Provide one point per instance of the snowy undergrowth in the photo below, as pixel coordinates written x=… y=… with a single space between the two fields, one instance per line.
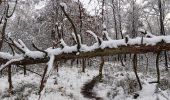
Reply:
x=122 y=85
x=117 y=84
x=64 y=85
x=23 y=86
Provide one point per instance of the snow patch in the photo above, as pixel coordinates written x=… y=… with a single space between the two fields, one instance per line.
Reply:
x=63 y=5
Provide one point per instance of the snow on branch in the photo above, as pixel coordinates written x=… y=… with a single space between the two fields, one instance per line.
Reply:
x=4 y=55
x=50 y=64
x=21 y=45
x=63 y=5
x=79 y=37
x=63 y=43
x=106 y=34
x=106 y=48
x=95 y=36
x=149 y=35
x=74 y=36
x=46 y=53
x=10 y=62
x=28 y=53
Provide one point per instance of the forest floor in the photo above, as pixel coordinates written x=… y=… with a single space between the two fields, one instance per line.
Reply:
x=117 y=84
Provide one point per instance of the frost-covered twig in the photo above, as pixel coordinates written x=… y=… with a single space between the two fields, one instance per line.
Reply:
x=62 y=43
x=21 y=45
x=95 y=36
x=13 y=44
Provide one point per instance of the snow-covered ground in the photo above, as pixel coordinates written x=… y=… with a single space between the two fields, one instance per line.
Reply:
x=117 y=84
x=64 y=85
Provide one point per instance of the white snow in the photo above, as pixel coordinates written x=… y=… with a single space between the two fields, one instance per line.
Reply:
x=69 y=49
x=10 y=61
x=50 y=64
x=5 y=55
x=67 y=83
x=74 y=36
x=106 y=34
x=40 y=5
x=63 y=43
x=22 y=47
x=34 y=54
x=93 y=34
x=79 y=37
x=67 y=87
x=150 y=35
x=85 y=48
x=112 y=43
x=56 y=51
x=63 y=5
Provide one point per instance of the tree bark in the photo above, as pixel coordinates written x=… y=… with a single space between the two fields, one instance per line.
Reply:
x=115 y=20
x=101 y=67
x=10 y=80
x=43 y=79
x=135 y=70
x=83 y=65
x=137 y=49
x=25 y=70
x=157 y=67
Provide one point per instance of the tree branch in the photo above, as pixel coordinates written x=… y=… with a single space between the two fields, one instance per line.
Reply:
x=74 y=28
x=46 y=53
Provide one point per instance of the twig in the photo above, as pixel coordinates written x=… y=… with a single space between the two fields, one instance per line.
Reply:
x=46 y=53
x=31 y=71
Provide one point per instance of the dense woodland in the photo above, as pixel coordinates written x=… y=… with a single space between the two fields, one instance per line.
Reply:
x=84 y=49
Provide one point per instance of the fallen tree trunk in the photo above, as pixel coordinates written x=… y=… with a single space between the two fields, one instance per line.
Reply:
x=114 y=51
x=96 y=53
x=137 y=49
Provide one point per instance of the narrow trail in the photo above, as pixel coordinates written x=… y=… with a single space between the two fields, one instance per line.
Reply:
x=87 y=89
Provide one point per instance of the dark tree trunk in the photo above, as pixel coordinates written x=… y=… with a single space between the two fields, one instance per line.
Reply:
x=43 y=79
x=3 y=33
x=10 y=80
x=120 y=19
x=157 y=67
x=83 y=64
x=115 y=20
x=101 y=67
x=25 y=70
x=135 y=70
x=162 y=28
x=134 y=34
x=166 y=61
